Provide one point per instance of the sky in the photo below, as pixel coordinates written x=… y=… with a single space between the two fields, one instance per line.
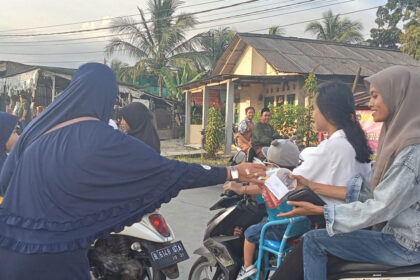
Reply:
x=23 y=17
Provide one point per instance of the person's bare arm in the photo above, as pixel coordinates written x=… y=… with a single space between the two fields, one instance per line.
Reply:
x=240 y=189
x=338 y=192
x=243 y=139
x=25 y=112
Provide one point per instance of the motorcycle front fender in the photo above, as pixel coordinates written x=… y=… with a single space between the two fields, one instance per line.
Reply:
x=203 y=251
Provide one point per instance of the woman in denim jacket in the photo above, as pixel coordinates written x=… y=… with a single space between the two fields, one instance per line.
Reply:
x=393 y=208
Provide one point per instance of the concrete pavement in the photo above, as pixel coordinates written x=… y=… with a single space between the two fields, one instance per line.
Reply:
x=188 y=215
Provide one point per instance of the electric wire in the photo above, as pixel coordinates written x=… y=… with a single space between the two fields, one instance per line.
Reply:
x=193 y=29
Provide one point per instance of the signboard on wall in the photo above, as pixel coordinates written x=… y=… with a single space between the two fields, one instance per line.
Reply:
x=371 y=128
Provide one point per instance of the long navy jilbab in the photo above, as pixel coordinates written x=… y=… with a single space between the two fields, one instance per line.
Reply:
x=7 y=125
x=67 y=187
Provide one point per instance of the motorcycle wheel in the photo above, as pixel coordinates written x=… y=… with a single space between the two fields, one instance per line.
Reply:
x=202 y=270
x=153 y=275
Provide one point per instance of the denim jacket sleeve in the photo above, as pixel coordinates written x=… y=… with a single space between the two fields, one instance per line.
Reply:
x=395 y=193
x=358 y=188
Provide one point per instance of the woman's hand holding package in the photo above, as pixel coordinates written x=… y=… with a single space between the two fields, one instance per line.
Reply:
x=301 y=181
x=303 y=208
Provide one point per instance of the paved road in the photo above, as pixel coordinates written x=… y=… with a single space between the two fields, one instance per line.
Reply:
x=188 y=215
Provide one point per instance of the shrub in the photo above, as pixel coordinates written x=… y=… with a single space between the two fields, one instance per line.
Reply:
x=214 y=132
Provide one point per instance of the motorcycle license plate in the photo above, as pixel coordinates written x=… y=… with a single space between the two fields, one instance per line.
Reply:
x=169 y=255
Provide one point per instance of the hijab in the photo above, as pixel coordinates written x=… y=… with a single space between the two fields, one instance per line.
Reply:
x=81 y=182
x=7 y=124
x=399 y=87
x=92 y=92
x=139 y=119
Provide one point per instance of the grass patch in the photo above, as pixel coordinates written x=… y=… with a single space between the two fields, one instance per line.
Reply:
x=221 y=161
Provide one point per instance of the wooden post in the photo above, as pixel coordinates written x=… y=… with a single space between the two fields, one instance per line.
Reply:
x=230 y=92
x=356 y=79
x=187 y=116
x=206 y=97
x=53 y=89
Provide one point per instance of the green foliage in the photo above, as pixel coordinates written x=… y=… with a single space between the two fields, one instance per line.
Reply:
x=306 y=132
x=212 y=44
x=214 y=132
x=307 y=136
x=155 y=42
x=285 y=118
x=389 y=18
x=173 y=79
x=333 y=28
x=196 y=114
x=202 y=160
x=410 y=41
x=311 y=86
x=276 y=30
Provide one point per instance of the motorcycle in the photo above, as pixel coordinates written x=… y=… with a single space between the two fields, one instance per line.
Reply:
x=222 y=253
x=345 y=270
x=144 y=250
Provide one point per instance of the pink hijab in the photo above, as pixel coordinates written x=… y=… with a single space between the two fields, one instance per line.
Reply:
x=400 y=90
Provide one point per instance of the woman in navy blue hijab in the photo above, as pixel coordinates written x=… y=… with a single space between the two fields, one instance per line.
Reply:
x=7 y=135
x=71 y=178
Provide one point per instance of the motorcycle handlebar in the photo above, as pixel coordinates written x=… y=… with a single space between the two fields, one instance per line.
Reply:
x=229 y=193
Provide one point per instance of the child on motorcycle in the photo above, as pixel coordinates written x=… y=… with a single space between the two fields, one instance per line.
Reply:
x=333 y=162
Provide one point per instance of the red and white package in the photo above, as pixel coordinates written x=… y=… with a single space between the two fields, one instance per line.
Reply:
x=277 y=186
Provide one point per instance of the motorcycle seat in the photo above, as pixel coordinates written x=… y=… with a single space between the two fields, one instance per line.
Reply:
x=353 y=267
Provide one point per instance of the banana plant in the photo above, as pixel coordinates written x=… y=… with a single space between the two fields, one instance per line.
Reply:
x=173 y=79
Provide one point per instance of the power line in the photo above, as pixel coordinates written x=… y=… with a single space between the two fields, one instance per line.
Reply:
x=286 y=13
x=111 y=35
x=296 y=23
x=67 y=61
x=122 y=25
x=306 y=21
x=96 y=20
x=238 y=15
x=228 y=23
x=194 y=29
x=64 y=53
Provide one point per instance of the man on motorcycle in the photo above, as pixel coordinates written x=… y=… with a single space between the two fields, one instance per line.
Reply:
x=263 y=133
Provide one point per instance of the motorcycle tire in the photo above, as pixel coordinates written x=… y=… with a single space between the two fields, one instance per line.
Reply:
x=200 y=265
x=155 y=274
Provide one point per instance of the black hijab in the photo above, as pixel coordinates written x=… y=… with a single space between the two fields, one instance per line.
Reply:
x=139 y=119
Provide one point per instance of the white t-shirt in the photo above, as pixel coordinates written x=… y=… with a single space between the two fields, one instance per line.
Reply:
x=332 y=162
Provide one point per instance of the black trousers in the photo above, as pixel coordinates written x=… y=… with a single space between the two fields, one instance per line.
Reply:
x=292 y=266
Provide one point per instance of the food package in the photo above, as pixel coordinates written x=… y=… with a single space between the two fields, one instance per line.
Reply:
x=277 y=186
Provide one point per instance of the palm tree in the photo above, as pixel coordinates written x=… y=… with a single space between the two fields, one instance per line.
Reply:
x=212 y=44
x=155 y=42
x=276 y=30
x=333 y=28
x=122 y=70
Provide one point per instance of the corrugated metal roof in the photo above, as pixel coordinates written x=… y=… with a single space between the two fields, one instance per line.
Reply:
x=302 y=55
